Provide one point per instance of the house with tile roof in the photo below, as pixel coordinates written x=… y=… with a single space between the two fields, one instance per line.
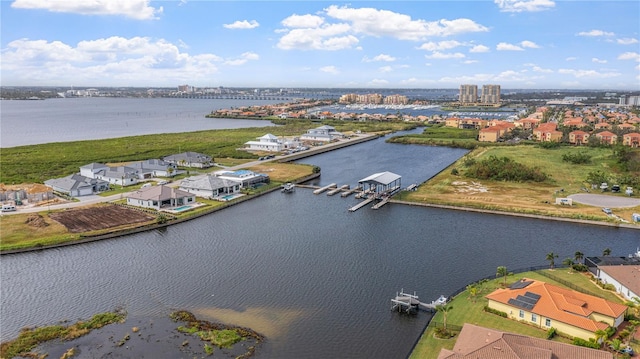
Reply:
x=475 y=342
x=210 y=185
x=626 y=279
x=578 y=137
x=160 y=197
x=607 y=137
x=548 y=306
x=631 y=139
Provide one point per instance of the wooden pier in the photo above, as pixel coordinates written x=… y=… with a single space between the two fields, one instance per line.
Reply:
x=361 y=204
x=339 y=189
x=381 y=203
x=409 y=303
x=322 y=189
x=349 y=192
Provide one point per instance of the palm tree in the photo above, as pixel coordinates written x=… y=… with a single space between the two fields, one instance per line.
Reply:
x=501 y=271
x=601 y=336
x=634 y=305
x=569 y=263
x=578 y=256
x=616 y=345
x=606 y=252
x=551 y=257
x=444 y=309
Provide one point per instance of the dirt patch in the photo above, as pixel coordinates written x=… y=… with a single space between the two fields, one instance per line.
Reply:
x=36 y=220
x=474 y=187
x=99 y=217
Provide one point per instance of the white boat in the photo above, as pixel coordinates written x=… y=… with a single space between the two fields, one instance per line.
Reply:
x=288 y=188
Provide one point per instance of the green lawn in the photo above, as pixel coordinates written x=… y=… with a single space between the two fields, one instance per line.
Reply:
x=468 y=310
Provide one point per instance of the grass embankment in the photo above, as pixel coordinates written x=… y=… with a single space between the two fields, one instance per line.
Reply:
x=29 y=338
x=469 y=310
x=454 y=188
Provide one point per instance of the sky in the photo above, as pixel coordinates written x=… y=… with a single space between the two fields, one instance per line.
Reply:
x=518 y=44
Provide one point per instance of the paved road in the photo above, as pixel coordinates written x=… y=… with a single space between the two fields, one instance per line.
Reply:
x=604 y=200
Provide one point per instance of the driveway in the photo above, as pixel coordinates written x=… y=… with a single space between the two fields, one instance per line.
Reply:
x=603 y=200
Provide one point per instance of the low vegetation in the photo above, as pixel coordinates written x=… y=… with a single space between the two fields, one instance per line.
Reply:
x=29 y=338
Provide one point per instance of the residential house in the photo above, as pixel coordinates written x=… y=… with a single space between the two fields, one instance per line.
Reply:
x=578 y=137
x=268 y=142
x=246 y=178
x=322 y=134
x=190 y=159
x=91 y=169
x=77 y=185
x=478 y=342
x=546 y=132
x=155 y=168
x=493 y=133
x=607 y=137
x=626 y=279
x=548 y=306
x=160 y=197
x=119 y=175
x=527 y=123
x=602 y=126
x=631 y=139
x=210 y=186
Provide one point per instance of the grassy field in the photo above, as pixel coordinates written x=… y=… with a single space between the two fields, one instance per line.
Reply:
x=448 y=188
x=466 y=310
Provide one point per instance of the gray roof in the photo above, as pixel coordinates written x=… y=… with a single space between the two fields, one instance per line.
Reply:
x=193 y=157
x=71 y=182
x=159 y=193
x=384 y=178
x=95 y=165
x=207 y=183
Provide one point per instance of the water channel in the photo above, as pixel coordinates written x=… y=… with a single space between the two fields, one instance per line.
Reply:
x=315 y=279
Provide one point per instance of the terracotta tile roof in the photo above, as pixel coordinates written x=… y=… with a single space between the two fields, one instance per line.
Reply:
x=564 y=305
x=476 y=342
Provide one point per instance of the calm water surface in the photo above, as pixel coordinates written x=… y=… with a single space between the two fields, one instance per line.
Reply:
x=311 y=276
x=74 y=119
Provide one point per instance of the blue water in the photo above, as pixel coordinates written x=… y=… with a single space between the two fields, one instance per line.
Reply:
x=182 y=208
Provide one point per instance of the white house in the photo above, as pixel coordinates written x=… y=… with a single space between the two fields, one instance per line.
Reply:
x=91 y=169
x=626 y=279
x=323 y=134
x=190 y=159
x=77 y=185
x=210 y=186
x=155 y=168
x=245 y=177
x=120 y=175
x=159 y=197
x=267 y=142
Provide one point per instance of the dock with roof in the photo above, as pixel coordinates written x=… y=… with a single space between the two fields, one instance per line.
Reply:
x=378 y=187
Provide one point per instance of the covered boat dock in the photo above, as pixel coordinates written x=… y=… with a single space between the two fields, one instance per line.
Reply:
x=381 y=185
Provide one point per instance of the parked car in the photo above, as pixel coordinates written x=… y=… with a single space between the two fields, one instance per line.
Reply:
x=162 y=182
x=8 y=208
x=607 y=211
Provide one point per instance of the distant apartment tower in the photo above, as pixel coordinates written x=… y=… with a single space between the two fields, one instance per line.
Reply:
x=348 y=98
x=631 y=100
x=372 y=98
x=395 y=100
x=184 y=88
x=490 y=94
x=468 y=94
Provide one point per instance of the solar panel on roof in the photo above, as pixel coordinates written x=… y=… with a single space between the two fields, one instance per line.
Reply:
x=520 y=304
x=527 y=300
x=532 y=295
x=520 y=284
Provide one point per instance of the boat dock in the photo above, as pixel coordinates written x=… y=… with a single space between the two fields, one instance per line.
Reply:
x=405 y=302
x=349 y=192
x=323 y=189
x=361 y=204
x=339 y=189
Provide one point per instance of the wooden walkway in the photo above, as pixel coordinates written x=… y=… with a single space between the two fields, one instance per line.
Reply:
x=361 y=204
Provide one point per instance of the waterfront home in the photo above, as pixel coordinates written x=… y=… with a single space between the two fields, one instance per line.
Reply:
x=478 y=342
x=190 y=159
x=626 y=279
x=269 y=143
x=322 y=134
x=246 y=178
x=548 y=306
x=77 y=185
x=160 y=197
x=155 y=168
x=210 y=186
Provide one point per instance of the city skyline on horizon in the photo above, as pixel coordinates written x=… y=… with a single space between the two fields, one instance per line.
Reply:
x=519 y=44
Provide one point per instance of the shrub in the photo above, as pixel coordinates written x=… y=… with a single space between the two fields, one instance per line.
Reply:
x=454 y=171
x=505 y=169
x=576 y=158
x=496 y=312
x=579 y=267
x=586 y=343
x=551 y=333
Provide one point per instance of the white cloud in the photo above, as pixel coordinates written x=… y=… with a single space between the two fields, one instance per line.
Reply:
x=469 y=62
x=378 y=82
x=599 y=61
x=588 y=73
x=381 y=58
x=571 y=58
x=503 y=46
x=479 y=49
x=529 y=44
x=442 y=45
x=374 y=22
x=330 y=70
x=302 y=21
x=524 y=5
x=595 y=33
x=244 y=24
x=327 y=37
x=384 y=69
x=135 y=9
x=536 y=68
x=244 y=58
x=627 y=41
x=111 y=59
x=443 y=56
x=630 y=56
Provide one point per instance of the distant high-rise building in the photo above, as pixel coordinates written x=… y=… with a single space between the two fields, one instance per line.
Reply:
x=490 y=94
x=468 y=94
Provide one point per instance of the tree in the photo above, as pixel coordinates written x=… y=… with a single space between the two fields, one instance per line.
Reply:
x=569 y=263
x=634 y=305
x=601 y=336
x=444 y=309
x=616 y=345
x=579 y=256
x=501 y=271
x=551 y=257
x=473 y=291
x=606 y=252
